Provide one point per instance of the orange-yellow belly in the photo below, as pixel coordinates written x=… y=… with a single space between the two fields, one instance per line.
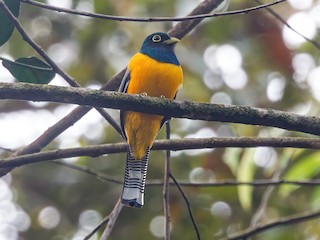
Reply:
x=155 y=79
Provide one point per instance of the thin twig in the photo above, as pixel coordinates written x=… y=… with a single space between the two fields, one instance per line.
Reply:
x=166 y=194
x=264 y=201
x=112 y=220
x=97 y=228
x=110 y=119
x=98 y=175
x=149 y=19
x=188 y=206
x=172 y=144
x=220 y=183
x=6 y=149
x=277 y=16
x=279 y=223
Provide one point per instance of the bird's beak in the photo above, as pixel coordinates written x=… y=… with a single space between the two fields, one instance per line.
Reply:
x=171 y=41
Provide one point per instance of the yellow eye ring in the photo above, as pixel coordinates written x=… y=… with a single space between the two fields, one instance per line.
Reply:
x=156 y=38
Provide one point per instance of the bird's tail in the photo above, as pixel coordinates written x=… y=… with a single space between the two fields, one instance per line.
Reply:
x=134 y=181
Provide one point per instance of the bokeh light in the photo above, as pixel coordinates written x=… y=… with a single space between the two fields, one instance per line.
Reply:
x=41 y=26
x=236 y=80
x=228 y=58
x=49 y=217
x=221 y=209
x=200 y=175
x=212 y=80
x=61 y=4
x=156 y=226
x=304 y=24
x=301 y=5
x=221 y=98
x=276 y=87
x=302 y=64
x=85 y=5
x=64 y=53
x=202 y=133
x=315 y=14
x=265 y=157
x=89 y=219
x=20 y=121
x=13 y=218
x=314 y=83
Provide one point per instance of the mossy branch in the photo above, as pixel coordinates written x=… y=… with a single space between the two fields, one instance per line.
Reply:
x=177 y=109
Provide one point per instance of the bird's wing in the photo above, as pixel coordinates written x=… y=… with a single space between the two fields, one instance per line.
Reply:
x=123 y=89
x=125 y=82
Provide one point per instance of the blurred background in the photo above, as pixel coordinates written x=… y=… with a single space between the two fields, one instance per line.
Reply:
x=249 y=59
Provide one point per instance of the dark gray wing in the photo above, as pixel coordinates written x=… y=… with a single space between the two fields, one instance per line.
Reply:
x=123 y=89
x=124 y=82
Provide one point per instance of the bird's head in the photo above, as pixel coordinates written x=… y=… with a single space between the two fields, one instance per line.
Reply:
x=159 y=46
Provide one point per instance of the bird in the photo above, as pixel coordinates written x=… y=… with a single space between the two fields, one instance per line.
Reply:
x=153 y=71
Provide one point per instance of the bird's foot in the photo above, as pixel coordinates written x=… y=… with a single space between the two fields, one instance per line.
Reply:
x=144 y=94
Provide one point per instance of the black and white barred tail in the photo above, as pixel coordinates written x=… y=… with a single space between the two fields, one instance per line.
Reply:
x=134 y=181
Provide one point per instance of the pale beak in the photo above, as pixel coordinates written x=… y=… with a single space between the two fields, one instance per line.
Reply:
x=171 y=41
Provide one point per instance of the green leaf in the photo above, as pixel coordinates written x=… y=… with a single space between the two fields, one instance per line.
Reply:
x=31 y=70
x=6 y=25
x=245 y=173
x=307 y=167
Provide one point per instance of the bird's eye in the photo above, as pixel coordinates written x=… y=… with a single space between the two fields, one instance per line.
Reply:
x=156 y=38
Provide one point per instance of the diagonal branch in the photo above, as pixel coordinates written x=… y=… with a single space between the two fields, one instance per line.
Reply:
x=188 y=206
x=112 y=220
x=178 y=109
x=52 y=64
x=279 y=223
x=277 y=16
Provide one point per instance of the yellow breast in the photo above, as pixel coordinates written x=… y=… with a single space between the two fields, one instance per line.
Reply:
x=155 y=79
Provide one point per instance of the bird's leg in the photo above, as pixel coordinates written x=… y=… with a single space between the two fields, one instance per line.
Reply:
x=162 y=96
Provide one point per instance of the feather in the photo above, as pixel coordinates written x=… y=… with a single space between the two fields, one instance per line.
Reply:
x=134 y=181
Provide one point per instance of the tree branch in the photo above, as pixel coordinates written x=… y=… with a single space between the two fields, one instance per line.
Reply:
x=150 y=19
x=219 y=183
x=112 y=220
x=166 y=193
x=195 y=226
x=277 y=16
x=173 y=145
x=279 y=223
x=152 y=105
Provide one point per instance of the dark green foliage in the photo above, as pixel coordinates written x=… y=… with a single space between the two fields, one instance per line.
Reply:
x=31 y=70
x=6 y=26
